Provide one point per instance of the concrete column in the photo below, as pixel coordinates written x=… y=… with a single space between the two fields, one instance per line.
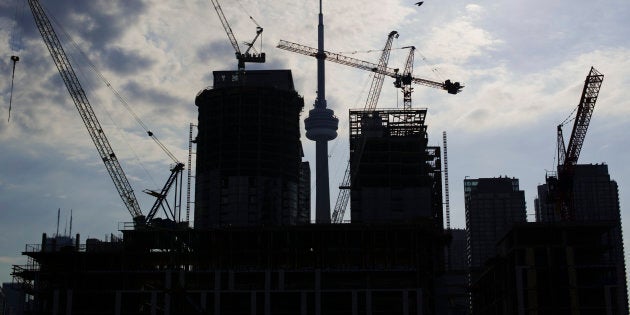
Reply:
x=318 y=292
x=167 y=296
x=203 y=301
x=217 y=292
x=281 y=280
x=69 y=302
x=405 y=302
x=153 y=303
x=419 y=310
x=303 y=304
x=368 y=302
x=267 y=292
x=118 y=303
x=252 y=302
x=56 y=302
x=231 y=280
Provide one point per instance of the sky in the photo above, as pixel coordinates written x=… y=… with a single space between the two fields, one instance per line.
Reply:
x=523 y=64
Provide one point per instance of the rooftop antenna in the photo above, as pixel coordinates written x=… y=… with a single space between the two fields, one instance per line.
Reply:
x=58 y=214
x=70 y=233
x=321 y=127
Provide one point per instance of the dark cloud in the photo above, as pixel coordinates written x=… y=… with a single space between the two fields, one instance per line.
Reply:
x=158 y=100
x=126 y=62
x=217 y=52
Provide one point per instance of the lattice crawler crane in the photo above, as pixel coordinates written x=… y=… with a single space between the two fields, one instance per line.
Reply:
x=560 y=185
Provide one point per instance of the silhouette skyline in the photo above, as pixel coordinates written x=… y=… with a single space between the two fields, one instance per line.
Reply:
x=522 y=79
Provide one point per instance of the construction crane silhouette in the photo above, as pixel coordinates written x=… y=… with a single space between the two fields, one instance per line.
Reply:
x=402 y=81
x=450 y=87
x=94 y=128
x=373 y=95
x=560 y=185
x=246 y=56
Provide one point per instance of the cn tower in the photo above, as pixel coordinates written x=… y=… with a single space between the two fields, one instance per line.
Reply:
x=321 y=127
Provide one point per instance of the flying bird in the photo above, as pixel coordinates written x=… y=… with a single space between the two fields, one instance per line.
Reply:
x=419 y=3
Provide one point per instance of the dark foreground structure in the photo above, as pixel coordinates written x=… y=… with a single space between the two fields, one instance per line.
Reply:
x=554 y=268
x=308 y=269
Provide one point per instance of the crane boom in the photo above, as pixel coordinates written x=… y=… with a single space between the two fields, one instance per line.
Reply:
x=450 y=87
x=372 y=100
x=85 y=110
x=226 y=26
x=592 y=85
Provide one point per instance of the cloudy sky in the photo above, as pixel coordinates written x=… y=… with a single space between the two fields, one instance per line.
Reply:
x=523 y=64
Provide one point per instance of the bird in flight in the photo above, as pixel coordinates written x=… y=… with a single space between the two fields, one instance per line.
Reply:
x=419 y=3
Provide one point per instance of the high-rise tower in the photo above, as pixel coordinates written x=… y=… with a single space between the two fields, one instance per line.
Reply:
x=249 y=151
x=493 y=206
x=321 y=127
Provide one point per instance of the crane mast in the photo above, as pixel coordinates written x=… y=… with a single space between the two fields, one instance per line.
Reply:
x=450 y=87
x=372 y=100
x=404 y=81
x=561 y=186
x=85 y=111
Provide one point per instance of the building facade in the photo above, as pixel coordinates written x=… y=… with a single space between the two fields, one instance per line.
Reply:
x=395 y=176
x=493 y=206
x=249 y=154
x=595 y=199
x=331 y=269
x=553 y=268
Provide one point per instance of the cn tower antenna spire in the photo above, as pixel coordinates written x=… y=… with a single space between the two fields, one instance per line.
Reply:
x=321 y=127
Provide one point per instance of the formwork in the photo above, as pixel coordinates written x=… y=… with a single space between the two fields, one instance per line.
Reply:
x=395 y=175
x=248 y=150
x=310 y=269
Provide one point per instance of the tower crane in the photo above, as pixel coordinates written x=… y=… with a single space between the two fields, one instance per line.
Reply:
x=561 y=185
x=402 y=81
x=373 y=95
x=241 y=57
x=92 y=124
x=450 y=87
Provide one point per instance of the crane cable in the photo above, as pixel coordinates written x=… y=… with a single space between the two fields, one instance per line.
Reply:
x=253 y=20
x=118 y=95
x=13 y=42
x=570 y=118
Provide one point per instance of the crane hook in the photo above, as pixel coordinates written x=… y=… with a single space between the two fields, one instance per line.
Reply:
x=15 y=59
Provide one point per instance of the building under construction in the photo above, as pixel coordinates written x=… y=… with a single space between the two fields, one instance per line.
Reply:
x=396 y=176
x=249 y=152
x=252 y=251
x=306 y=269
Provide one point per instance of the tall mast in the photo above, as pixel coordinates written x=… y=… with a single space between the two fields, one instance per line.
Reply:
x=321 y=127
